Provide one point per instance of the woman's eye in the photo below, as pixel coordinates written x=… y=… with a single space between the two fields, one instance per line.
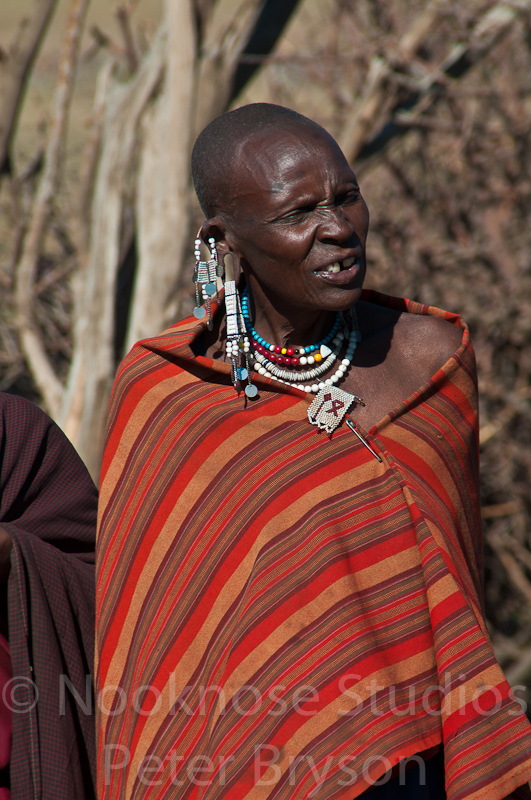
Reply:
x=349 y=197
x=298 y=214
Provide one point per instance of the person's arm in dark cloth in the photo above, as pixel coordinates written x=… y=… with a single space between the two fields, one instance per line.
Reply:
x=47 y=520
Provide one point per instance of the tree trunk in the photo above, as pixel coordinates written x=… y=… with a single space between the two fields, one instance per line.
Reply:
x=195 y=91
x=94 y=361
x=31 y=341
x=163 y=183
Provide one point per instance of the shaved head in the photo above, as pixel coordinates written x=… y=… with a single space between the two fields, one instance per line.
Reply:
x=218 y=149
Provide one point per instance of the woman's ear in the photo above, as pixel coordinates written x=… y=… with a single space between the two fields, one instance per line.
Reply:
x=216 y=229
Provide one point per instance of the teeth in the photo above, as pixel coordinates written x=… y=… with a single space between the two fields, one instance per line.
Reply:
x=337 y=266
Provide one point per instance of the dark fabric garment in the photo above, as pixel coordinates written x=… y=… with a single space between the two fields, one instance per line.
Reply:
x=522 y=793
x=48 y=505
x=423 y=780
x=6 y=674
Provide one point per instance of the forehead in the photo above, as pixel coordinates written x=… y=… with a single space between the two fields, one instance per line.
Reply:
x=278 y=162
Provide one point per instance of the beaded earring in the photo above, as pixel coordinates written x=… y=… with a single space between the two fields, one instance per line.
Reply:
x=238 y=347
x=206 y=274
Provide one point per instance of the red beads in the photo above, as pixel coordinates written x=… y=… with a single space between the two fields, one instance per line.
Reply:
x=278 y=349
x=290 y=351
x=295 y=362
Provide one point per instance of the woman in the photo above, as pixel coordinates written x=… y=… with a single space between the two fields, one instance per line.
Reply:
x=48 y=506
x=289 y=576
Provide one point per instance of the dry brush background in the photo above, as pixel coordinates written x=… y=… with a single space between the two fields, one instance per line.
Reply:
x=430 y=100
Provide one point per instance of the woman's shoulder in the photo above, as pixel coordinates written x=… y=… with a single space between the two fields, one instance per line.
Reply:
x=420 y=343
x=414 y=331
x=429 y=331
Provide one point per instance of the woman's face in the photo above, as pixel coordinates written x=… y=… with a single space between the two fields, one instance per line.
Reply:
x=295 y=216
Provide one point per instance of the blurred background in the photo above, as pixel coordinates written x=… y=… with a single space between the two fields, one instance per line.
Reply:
x=100 y=103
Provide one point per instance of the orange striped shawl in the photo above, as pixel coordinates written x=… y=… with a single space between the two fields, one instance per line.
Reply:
x=279 y=614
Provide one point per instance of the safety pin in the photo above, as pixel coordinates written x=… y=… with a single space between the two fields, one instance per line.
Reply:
x=353 y=428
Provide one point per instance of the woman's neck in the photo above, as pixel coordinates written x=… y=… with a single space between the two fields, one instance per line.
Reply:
x=296 y=328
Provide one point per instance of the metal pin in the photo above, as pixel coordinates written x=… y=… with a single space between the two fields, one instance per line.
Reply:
x=362 y=440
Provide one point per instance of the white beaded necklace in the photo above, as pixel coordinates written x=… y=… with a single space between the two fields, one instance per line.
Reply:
x=263 y=366
x=303 y=375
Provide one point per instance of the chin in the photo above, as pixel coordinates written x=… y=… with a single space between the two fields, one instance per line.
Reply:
x=340 y=300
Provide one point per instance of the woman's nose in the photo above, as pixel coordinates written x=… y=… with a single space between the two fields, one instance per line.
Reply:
x=335 y=224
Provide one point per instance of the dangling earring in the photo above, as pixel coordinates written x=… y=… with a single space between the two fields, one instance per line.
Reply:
x=206 y=274
x=238 y=347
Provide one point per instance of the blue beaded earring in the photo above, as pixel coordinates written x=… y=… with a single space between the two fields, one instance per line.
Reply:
x=237 y=346
x=206 y=274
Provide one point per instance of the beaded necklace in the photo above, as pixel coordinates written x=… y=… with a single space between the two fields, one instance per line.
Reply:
x=270 y=359
x=311 y=354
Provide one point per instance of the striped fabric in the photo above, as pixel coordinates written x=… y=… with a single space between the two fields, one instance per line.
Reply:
x=280 y=615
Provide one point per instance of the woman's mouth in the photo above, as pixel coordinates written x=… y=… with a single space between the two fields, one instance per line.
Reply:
x=340 y=271
x=337 y=266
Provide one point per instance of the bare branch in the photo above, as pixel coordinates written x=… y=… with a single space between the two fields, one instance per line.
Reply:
x=220 y=57
x=31 y=341
x=523 y=555
x=14 y=72
x=520 y=671
x=34 y=166
x=123 y=16
x=515 y=405
x=267 y=30
x=501 y=510
x=489 y=29
x=514 y=571
x=356 y=129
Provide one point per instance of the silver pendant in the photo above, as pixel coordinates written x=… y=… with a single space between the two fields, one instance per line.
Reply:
x=329 y=407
